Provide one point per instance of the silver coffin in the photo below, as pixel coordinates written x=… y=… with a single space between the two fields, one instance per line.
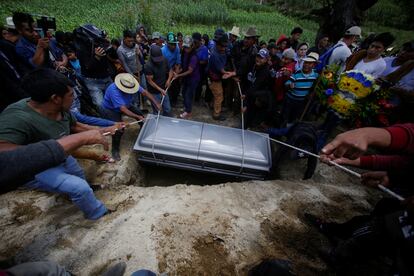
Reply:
x=203 y=147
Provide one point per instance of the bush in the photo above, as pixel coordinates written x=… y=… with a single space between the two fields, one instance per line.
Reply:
x=246 y=5
x=200 y=12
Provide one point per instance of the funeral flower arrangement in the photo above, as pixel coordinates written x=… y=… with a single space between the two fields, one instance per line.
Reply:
x=353 y=95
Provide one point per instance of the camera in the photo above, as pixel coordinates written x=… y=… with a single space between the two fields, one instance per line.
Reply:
x=45 y=24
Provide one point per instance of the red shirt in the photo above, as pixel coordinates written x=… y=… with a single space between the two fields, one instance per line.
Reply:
x=279 y=85
x=402 y=141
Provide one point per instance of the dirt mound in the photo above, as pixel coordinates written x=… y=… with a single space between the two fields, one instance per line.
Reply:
x=222 y=229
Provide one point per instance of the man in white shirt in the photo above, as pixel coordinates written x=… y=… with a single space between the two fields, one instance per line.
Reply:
x=341 y=50
x=373 y=63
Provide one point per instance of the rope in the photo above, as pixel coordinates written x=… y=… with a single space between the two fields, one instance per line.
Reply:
x=158 y=119
x=354 y=173
x=242 y=127
x=129 y=124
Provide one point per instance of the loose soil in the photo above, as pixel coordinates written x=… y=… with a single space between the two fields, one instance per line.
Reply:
x=171 y=225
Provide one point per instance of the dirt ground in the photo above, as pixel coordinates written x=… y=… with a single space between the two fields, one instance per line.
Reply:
x=183 y=229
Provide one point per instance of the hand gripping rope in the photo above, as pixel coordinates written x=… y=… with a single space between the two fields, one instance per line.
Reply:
x=128 y=124
x=381 y=187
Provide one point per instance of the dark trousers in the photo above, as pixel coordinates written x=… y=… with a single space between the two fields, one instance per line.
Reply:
x=189 y=88
x=174 y=91
x=292 y=109
x=387 y=231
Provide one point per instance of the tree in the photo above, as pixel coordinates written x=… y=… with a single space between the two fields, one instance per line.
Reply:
x=338 y=15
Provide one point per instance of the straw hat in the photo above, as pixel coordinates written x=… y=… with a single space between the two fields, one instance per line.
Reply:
x=251 y=32
x=312 y=57
x=126 y=83
x=235 y=31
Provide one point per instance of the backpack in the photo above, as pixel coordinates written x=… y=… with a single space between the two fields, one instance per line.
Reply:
x=324 y=59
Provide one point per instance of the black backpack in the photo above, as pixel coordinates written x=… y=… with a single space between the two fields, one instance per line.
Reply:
x=302 y=135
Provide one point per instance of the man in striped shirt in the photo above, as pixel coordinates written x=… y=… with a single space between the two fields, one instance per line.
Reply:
x=299 y=86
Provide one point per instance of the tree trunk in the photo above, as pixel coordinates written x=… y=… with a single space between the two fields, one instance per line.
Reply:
x=337 y=17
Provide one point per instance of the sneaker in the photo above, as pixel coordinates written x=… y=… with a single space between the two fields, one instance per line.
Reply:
x=219 y=118
x=185 y=115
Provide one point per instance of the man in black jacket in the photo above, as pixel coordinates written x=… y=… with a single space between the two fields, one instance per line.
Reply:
x=244 y=54
x=258 y=98
x=95 y=67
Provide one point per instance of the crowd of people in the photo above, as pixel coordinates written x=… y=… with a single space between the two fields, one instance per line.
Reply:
x=59 y=95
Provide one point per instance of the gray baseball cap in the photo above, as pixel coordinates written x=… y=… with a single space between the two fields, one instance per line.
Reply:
x=289 y=53
x=156 y=35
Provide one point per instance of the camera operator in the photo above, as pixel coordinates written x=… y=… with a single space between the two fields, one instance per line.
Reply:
x=95 y=68
x=34 y=49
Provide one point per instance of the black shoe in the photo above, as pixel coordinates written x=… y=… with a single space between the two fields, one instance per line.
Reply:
x=272 y=267
x=219 y=118
x=314 y=221
x=116 y=155
x=116 y=270
x=323 y=227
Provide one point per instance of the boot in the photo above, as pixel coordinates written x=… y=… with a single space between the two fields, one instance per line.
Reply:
x=116 y=142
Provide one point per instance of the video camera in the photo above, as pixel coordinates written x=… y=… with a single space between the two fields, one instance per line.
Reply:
x=45 y=24
x=88 y=37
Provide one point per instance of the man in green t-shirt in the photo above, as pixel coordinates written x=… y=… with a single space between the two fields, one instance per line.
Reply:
x=45 y=115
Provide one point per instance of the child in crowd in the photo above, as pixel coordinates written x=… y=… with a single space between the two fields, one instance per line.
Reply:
x=299 y=85
x=73 y=62
x=287 y=67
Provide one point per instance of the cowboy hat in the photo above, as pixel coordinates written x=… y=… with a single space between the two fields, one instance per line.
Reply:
x=312 y=57
x=235 y=31
x=251 y=32
x=126 y=83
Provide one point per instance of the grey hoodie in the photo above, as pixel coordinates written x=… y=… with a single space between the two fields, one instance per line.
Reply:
x=129 y=58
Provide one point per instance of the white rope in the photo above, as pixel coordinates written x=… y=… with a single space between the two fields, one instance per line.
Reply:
x=128 y=124
x=242 y=125
x=354 y=173
x=158 y=119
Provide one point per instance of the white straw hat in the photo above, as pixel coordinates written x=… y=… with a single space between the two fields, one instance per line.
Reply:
x=126 y=83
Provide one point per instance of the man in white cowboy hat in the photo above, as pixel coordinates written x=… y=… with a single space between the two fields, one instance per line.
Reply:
x=300 y=85
x=244 y=55
x=118 y=101
x=234 y=35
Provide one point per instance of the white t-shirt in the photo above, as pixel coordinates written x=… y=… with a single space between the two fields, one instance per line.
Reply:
x=339 y=55
x=388 y=66
x=406 y=82
x=375 y=67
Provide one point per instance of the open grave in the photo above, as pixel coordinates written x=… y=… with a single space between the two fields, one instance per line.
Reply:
x=181 y=222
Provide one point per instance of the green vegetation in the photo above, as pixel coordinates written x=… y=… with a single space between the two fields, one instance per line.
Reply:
x=186 y=16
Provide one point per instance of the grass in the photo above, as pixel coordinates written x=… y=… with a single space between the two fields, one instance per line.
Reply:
x=175 y=15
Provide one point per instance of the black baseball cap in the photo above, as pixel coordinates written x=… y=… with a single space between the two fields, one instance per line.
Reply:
x=156 y=53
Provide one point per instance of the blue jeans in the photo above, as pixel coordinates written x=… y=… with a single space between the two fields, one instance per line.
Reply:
x=68 y=178
x=143 y=272
x=188 y=93
x=96 y=88
x=166 y=106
